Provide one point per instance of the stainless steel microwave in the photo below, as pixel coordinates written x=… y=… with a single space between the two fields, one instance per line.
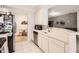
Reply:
x=38 y=27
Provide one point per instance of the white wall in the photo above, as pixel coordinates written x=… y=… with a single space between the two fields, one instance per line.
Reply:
x=30 y=25
x=18 y=19
x=78 y=21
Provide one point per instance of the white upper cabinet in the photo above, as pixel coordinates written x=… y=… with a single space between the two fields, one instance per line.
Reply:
x=41 y=16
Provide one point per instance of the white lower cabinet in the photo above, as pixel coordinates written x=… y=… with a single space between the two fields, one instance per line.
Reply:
x=51 y=45
x=39 y=41
x=66 y=48
x=54 y=47
x=45 y=44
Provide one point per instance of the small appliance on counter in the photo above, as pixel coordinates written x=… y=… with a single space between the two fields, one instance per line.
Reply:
x=38 y=27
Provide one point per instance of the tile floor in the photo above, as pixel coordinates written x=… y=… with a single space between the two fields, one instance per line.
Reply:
x=26 y=47
x=20 y=38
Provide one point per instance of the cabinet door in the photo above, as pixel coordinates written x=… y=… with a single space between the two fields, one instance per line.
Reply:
x=66 y=48
x=39 y=41
x=41 y=16
x=44 y=44
x=54 y=47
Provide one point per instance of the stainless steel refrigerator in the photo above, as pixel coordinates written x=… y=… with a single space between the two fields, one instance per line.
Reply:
x=9 y=21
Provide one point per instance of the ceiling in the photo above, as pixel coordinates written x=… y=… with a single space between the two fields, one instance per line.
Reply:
x=63 y=9
x=24 y=9
x=21 y=9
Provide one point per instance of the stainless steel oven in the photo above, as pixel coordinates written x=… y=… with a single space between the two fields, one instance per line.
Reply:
x=35 y=37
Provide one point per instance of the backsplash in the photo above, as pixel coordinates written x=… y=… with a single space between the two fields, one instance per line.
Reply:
x=65 y=21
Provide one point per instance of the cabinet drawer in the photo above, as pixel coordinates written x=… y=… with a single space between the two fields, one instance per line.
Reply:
x=55 y=46
x=43 y=36
x=57 y=42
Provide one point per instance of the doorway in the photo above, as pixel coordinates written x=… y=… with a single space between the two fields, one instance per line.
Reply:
x=22 y=28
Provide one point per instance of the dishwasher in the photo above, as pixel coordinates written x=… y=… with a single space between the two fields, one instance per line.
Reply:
x=35 y=37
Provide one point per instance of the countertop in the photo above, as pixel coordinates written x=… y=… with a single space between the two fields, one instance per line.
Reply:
x=57 y=33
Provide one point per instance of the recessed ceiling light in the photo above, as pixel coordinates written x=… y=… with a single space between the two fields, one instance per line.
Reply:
x=54 y=13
